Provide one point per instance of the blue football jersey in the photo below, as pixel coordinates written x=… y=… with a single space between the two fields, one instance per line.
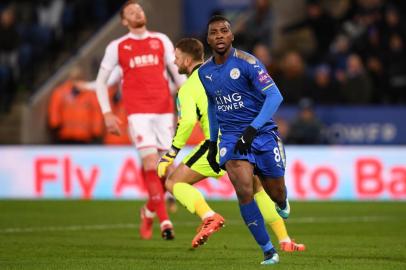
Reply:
x=237 y=89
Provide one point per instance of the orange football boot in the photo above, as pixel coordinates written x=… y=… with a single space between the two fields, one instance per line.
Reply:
x=291 y=246
x=209 y=226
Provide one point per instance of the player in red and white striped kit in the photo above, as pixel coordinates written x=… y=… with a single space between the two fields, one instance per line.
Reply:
x=144 y=58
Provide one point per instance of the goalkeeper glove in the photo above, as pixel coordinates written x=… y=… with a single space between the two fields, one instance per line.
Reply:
x=212 y=157
x=166 y=160
x=243 y=145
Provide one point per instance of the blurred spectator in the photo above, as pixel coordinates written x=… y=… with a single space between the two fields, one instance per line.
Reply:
x=363 y=15
x=74 y=113
x=306 y=128
x=9 y=39
x=254 y=26
x=324 y=89
x=261 y=51
x=9 y=43
x=49 y=13
x=392 y=25
x=339 y=52
x=373 y=54
x=292 y=79
x=283 y=127
x=322 y=24
x=356 y=86
x=395 y=60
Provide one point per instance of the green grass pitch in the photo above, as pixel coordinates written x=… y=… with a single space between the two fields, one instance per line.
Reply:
x=103 y=235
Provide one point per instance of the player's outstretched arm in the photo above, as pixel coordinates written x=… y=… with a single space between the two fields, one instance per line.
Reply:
x=214 y=131
x=213 y=123
x=273 y=99
x=111 y=121
x=102 y=90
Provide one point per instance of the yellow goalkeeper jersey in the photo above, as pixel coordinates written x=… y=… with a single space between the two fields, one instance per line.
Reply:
x=192 y=107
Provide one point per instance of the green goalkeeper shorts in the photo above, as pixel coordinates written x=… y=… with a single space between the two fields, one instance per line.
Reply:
x=197 y=161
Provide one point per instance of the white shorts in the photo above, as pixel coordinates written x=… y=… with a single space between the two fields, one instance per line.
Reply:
x=151 y=130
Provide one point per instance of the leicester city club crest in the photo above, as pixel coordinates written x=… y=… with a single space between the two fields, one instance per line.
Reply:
x=235 y=73
x=223 y=151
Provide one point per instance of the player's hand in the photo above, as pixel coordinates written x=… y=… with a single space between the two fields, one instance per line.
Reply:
x=212 y=157
x=243 y=145
x=166 y=160
x=112 y=123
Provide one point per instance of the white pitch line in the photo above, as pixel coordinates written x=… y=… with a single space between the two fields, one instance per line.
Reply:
x=97 y=227
x=342 y=219
x=69 y=228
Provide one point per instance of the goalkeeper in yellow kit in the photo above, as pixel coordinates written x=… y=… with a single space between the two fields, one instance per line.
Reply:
x=192 y=106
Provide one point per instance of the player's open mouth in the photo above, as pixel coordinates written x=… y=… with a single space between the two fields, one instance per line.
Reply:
x=220 y=45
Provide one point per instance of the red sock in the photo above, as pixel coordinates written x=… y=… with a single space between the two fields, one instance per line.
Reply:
x=150 y=205
x=156 y=198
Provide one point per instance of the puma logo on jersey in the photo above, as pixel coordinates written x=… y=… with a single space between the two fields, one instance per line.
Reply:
x=254 y=223
x=127 y=47
x=209 y=77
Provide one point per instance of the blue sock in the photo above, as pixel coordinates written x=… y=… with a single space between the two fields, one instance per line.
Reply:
x=255 y=223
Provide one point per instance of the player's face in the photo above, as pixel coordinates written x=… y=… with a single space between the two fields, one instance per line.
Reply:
x=181 y=61
x=220 y=37
x=134 y=16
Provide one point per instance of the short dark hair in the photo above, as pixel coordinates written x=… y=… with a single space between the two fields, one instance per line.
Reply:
x=217 y=18
x=126 y=4
x=191 y=46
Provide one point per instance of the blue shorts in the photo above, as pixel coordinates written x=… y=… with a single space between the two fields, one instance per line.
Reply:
x=267 y=155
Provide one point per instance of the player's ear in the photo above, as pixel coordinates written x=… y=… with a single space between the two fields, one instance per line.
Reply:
x=124 y=22
x=187 y=60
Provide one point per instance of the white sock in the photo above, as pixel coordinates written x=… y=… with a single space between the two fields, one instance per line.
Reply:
x=208 y=214
x=148 y=213
x=165 y=223
x=286 y=239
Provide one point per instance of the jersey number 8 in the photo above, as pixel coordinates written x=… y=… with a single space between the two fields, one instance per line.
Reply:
x=277 y=154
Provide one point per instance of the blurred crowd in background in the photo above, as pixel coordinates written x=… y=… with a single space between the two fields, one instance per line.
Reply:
x=36 y=36
x=356 y=56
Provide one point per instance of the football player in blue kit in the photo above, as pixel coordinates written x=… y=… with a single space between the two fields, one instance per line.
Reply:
x=242 y=99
